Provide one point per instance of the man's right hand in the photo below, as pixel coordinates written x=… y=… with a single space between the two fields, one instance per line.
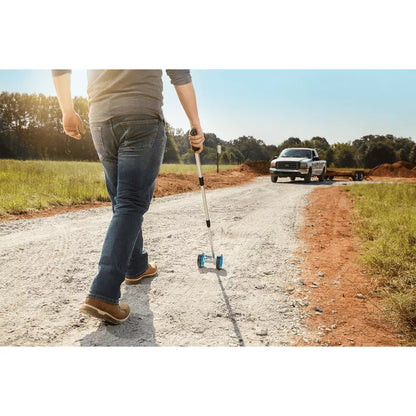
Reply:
x=196 y=141
x=73 y=125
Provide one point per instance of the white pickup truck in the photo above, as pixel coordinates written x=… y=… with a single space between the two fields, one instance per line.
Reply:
x=298 y=162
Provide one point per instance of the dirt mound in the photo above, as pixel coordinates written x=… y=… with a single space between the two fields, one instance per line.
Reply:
x=177 y=183
x=399 y=169
x=260 y=167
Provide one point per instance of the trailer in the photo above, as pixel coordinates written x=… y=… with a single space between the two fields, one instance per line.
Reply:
x=355 y=175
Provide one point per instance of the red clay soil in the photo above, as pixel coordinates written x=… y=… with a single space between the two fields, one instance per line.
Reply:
x=170 y=184
x=399 y=169
x=333 y=277
x=176 y=183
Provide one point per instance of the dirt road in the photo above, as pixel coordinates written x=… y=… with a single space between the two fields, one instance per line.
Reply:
x=47 y=264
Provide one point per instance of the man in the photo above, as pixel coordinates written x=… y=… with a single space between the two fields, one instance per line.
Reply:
x=128 y=130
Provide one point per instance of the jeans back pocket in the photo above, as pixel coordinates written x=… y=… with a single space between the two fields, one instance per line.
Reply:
x=139 y=134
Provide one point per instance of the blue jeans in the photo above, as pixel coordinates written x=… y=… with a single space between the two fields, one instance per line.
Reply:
x=131 y=150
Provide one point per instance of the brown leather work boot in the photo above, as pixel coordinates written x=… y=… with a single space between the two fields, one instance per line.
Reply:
x=150 y=272
x=114 y=314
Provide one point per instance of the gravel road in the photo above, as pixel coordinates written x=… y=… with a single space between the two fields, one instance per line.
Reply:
x=47 y=264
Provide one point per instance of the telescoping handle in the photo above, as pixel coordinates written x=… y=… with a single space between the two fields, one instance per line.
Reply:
x=198 y=161
x=204 y=198
x=194 y=133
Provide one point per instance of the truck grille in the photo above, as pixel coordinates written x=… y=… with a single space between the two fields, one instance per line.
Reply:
x=287 y=165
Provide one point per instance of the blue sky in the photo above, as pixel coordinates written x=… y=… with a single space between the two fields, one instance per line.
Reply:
x=272 y=105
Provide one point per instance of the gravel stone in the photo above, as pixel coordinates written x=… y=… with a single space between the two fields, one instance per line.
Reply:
x=261 y=331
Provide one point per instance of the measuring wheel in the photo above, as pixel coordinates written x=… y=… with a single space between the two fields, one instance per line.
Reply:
x=219 y=262
x=201 y=262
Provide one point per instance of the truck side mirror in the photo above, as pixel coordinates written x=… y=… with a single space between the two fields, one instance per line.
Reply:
x=315 y=158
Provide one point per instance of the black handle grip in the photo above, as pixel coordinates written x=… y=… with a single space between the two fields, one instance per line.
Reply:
x=194 y=133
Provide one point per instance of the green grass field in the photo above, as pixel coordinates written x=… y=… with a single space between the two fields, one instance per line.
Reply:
x=35 y=185
x=387 y=223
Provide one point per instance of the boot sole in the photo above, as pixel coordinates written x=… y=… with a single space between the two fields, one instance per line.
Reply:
x=99 y=314
x=138 y=279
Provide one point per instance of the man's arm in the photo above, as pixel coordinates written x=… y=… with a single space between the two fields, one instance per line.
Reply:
x=182 y=80
x=71 y=121
x=186 y=94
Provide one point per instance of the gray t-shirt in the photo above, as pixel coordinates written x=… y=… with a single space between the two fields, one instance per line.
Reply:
x=113 y=93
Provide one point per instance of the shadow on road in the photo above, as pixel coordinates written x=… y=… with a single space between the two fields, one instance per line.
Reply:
x=138 y=330
x=312 y=183
x=231 y=314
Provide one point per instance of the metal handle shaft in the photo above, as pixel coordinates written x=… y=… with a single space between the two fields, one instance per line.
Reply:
x=204 y=198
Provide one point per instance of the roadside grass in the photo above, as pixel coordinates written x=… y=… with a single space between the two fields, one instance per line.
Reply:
x=386 y=221
x=34 y=185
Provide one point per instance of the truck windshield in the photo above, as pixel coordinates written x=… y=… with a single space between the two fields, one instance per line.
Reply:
x=296 y=153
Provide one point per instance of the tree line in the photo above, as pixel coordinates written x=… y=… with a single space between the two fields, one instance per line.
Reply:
x=367 y=152
x=31 y=128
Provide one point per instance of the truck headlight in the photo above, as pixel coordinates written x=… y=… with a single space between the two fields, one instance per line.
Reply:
x=304 y=166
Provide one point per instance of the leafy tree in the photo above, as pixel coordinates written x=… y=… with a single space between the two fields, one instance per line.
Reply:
x=402 y=154
x=378 y=153
x=171 y=150
x=320 y=143
x=344 y=155
x=412 y=155
x=251 y=148
x=292 y=142
x=272 y=151
x=405 y=144
x=231 y=155
x=329 y=157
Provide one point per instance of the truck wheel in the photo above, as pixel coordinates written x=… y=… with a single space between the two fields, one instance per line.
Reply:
x=293 y=178
x=321 y=177
x=308 y=177
x=274 y=178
